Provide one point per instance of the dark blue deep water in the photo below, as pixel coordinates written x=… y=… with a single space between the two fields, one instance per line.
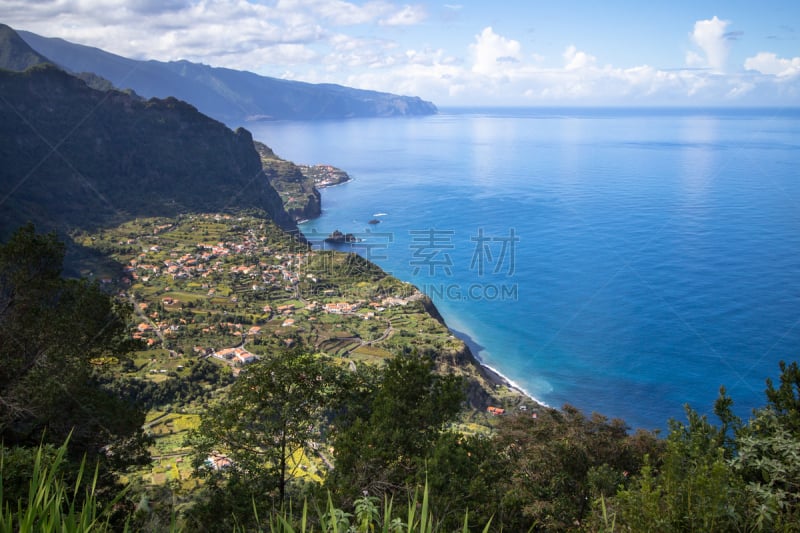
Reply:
x=624 y=261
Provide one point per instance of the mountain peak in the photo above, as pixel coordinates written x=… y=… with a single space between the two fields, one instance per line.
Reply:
x=15 y=53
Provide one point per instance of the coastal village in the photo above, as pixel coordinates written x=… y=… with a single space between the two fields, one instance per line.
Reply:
x=324 y=175
x=232 y=289
x=176 y=287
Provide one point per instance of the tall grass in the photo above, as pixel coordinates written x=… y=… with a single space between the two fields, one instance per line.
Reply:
x=50 y=504
x=53 y=505
x=368 y=517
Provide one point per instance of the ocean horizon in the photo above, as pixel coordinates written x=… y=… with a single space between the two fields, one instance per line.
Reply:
x=626 y=261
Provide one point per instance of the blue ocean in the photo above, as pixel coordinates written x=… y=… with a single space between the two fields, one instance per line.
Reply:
x=624 y=261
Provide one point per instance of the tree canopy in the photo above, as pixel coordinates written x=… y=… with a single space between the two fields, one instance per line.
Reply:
x=382 y=450
x=250 y=446
x=52 y=329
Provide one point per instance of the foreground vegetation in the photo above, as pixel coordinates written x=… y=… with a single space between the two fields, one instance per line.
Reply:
x=337 y=425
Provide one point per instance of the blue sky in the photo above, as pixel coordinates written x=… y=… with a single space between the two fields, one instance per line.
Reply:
x=467 y=52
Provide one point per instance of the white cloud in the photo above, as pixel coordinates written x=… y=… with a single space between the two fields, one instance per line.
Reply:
x=501 y=72
x=289 y=53
x=710 y=36
x=431 y=78
x=360 y=43
x=155 y=6
x=492 y=53
x=347 y=53
x=228 y=33
x=219 y=32
x=575 y=59
x=739 y=91
x=770 y=64
x=693 y=59
x=408 y=16
x=338 y=12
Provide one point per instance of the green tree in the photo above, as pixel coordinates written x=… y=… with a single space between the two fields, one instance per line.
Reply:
x=695 y=487
x=466 y=474
x=51 y=329
x=271 y=416
x=731 y=477
x=560 y=461
x=768 y=456
x=384 y=447
x=768 y=459
x=784 y=400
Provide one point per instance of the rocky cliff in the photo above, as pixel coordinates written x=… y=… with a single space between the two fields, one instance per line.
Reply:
x=300 y=197
x=73 y=156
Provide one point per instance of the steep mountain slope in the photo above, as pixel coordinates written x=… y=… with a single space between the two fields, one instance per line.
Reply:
x=231 y=96
x=72 y=156
x=300 y=197
x=15 y=54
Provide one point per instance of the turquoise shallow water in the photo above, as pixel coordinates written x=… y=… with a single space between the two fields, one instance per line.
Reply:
x=624 y=261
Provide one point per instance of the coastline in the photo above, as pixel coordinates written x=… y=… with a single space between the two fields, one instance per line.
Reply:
x=492 y=374
x=473 y=349
x=436 y=177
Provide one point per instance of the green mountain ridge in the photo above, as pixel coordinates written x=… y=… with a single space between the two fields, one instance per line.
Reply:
x=79 y=157
x=231 y=96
